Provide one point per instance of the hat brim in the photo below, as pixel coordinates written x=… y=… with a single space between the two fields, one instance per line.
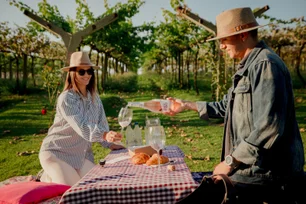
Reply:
x=66 y=69
x=235 y=33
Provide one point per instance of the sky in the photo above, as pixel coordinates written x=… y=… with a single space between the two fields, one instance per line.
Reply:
x=152 y=9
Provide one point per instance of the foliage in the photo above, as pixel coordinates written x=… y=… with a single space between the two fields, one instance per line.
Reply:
x=51 y=83
x=47 y=12
x=176 y=3
x=285 y=33
x=158 y=81
x=145 y=82
x=21 y=40
x=21 y=43
x=54 y=51
x=126 y=82
x=120 y=39
x=288 y=40
x=175 y=45
x=112 y=103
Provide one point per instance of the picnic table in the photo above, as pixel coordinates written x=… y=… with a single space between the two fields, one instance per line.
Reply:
x=124 y=182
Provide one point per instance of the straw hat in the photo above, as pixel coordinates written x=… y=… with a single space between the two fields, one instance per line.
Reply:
x=235 y=21
x=79 y=59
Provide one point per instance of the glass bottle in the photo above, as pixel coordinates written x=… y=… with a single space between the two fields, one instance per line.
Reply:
x=155 y=105
x=137 y=135
x=129 y=134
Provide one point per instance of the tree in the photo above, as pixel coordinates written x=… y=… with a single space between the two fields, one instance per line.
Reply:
x=288 y=40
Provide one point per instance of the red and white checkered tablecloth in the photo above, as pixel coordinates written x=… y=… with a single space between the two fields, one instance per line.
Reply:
x=124 y=182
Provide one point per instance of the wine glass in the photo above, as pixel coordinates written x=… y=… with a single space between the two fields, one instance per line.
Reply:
x=149 y=123
x=125 y=117
x=157 y=140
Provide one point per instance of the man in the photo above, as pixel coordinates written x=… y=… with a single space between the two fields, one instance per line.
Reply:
x=262 y=148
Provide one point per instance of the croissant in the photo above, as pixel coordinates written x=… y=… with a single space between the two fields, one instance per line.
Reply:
x=140 y=158
x=154 y=160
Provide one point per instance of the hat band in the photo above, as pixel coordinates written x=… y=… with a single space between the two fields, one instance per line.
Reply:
x=236 y=29
x=245 y=26
x=81 y=64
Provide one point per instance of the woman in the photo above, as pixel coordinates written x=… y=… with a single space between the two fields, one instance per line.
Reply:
x=66 y=154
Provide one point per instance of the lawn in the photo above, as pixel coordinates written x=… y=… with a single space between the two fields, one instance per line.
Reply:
x=23 y=127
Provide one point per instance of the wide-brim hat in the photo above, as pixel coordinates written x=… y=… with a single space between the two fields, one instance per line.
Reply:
x=234 y=21
x=79 y=59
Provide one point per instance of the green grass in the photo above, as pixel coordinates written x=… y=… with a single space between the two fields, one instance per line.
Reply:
x=22 y=129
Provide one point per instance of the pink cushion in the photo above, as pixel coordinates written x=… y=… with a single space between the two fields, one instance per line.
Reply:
x=30 y=192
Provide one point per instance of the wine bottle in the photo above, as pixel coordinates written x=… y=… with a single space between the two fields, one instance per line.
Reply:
x=155 y=105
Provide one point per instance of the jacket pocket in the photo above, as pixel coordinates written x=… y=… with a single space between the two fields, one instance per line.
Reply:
x=242 y=109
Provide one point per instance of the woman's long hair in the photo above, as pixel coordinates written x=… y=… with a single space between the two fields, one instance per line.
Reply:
x=71 y=84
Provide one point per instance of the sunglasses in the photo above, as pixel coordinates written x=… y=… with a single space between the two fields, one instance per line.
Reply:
x=82 y=72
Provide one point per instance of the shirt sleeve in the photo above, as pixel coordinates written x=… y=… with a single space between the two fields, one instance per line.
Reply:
x=103 y=122
x=106 y=144
x=208 y=110
x=70 y=108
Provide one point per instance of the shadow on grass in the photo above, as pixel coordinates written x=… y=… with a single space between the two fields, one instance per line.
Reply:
x=22 y=116
x=17 y=131
x=9 y=103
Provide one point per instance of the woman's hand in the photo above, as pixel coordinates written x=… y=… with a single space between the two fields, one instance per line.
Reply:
x=112 y=136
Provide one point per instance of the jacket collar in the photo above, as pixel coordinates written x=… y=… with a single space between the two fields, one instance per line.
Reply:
x=244 y=63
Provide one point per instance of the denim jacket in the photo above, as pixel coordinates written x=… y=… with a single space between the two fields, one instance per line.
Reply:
x=260 y=128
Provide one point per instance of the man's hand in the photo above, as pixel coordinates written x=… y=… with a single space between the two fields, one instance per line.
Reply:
x=221 y=168
x=177 y=106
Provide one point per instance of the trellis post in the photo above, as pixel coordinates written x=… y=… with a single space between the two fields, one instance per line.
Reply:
x=72 y=41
